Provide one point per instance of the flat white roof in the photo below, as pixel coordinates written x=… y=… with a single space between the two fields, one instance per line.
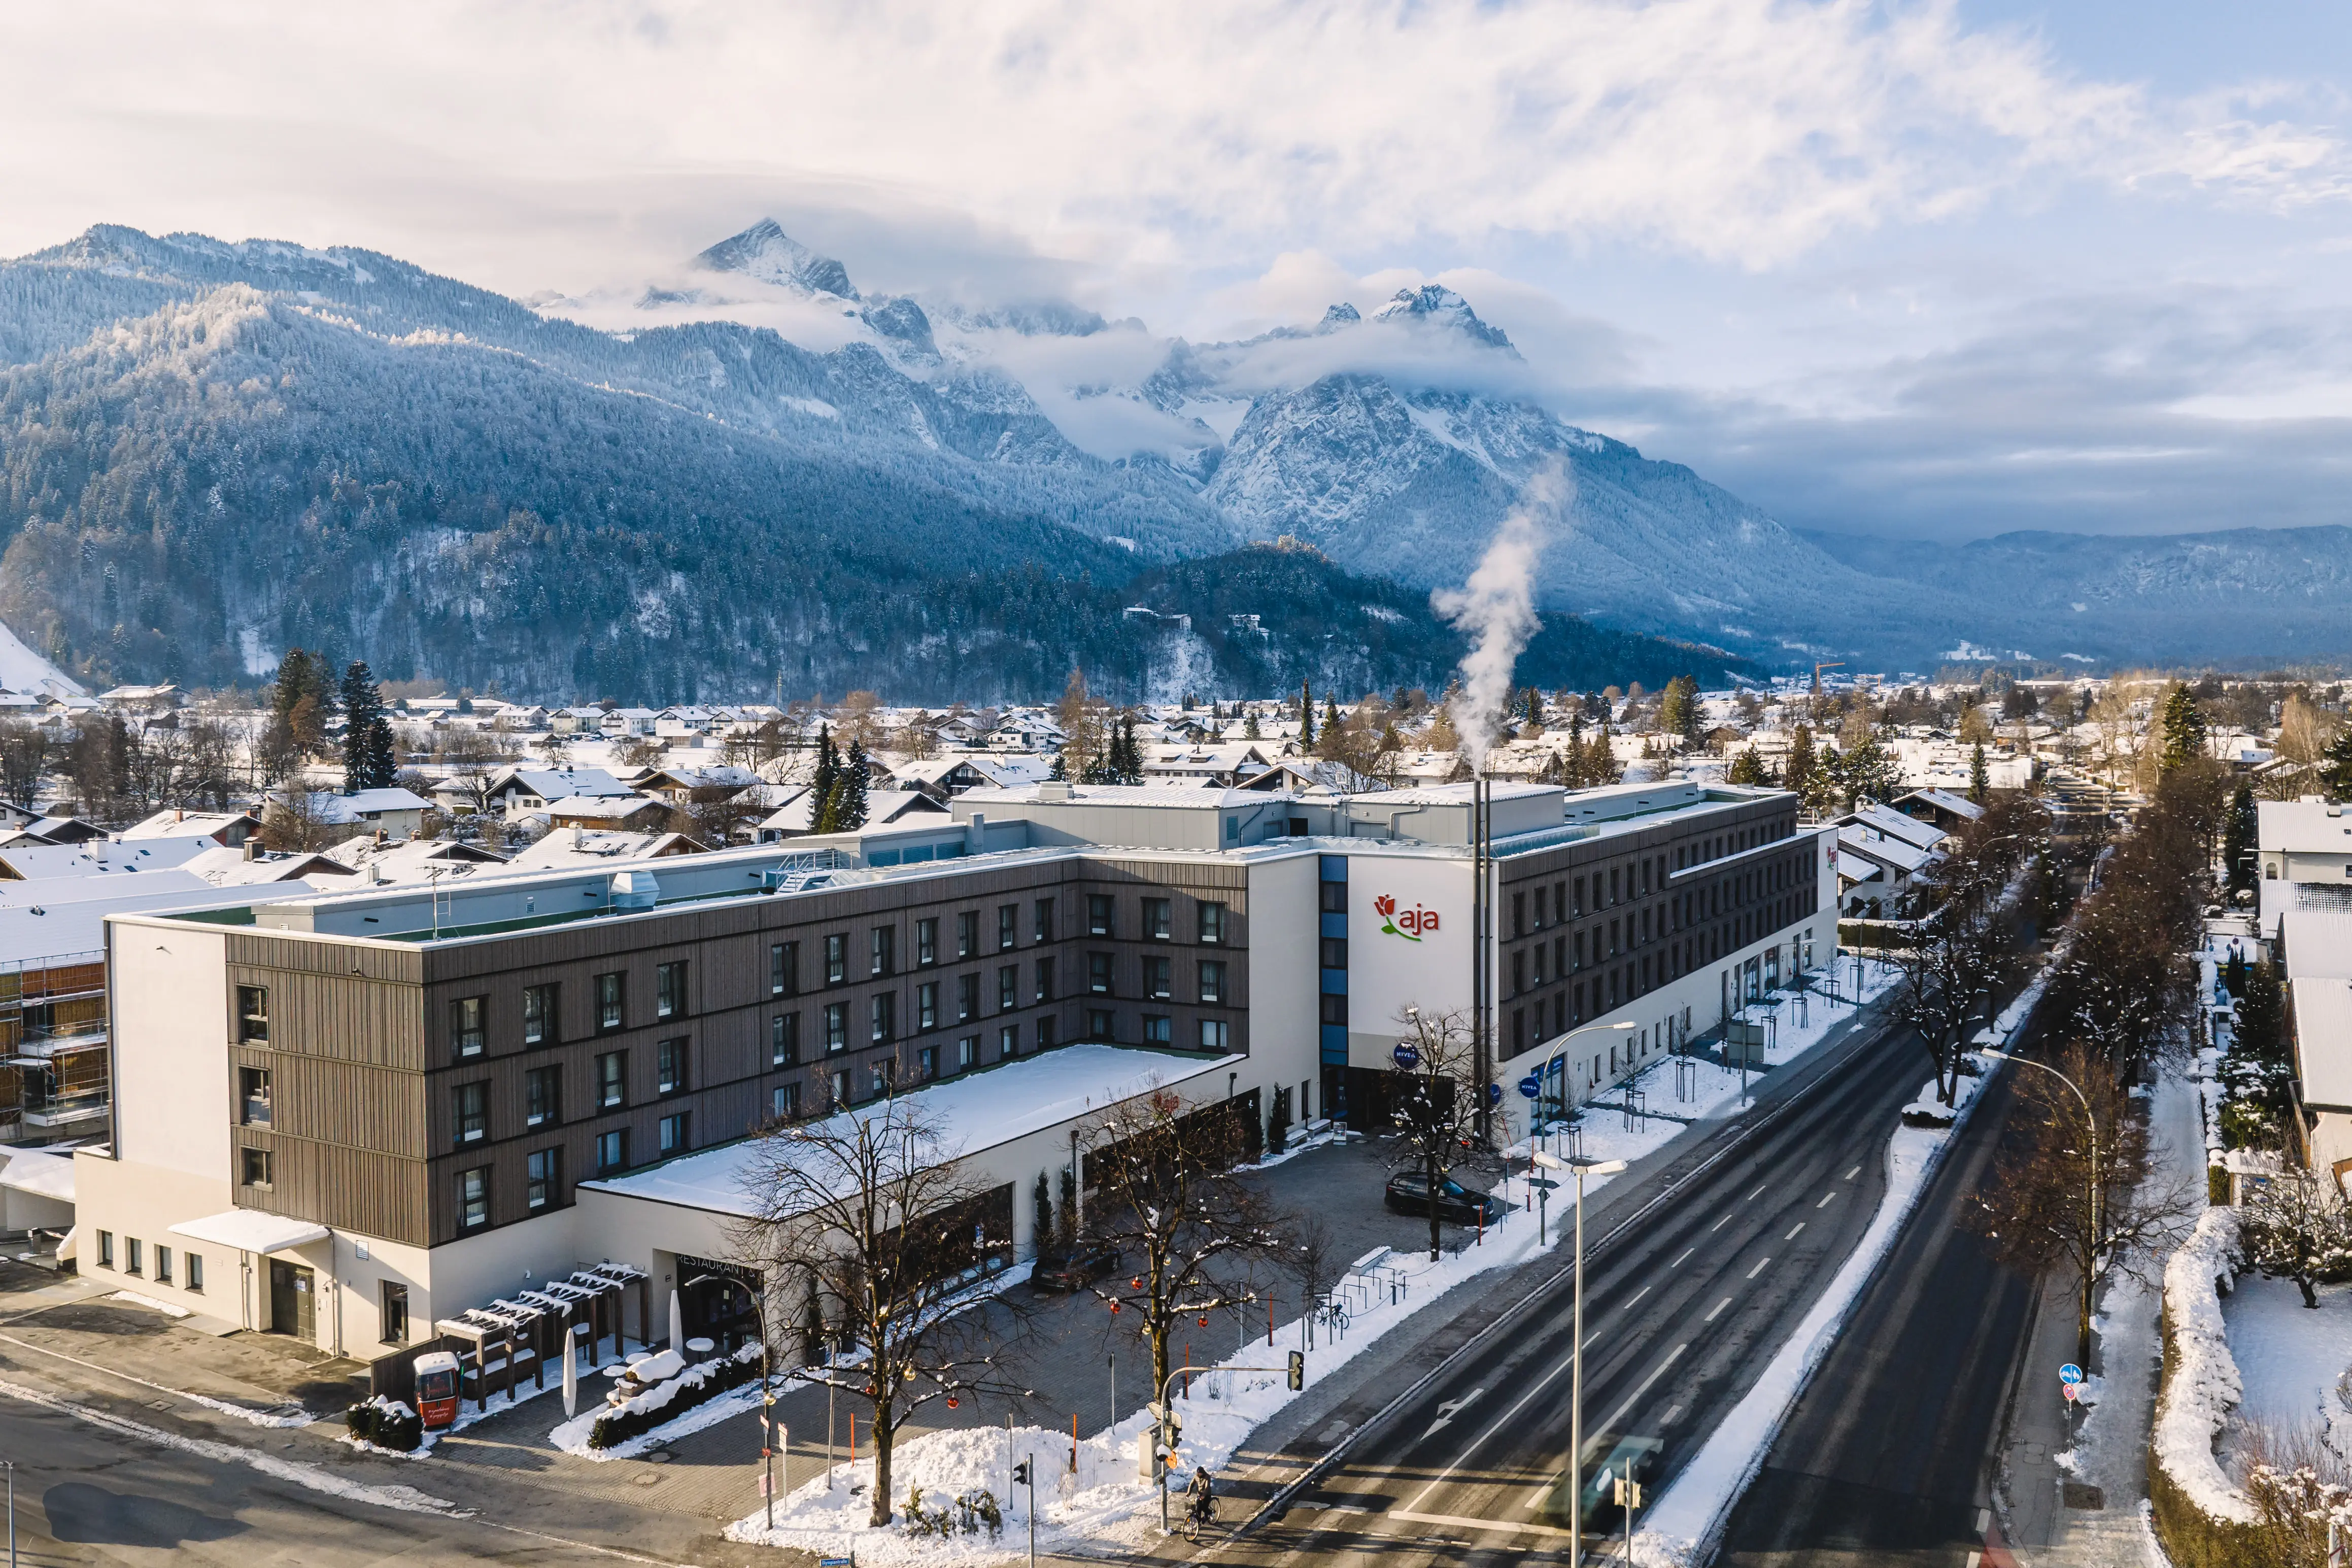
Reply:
x=47 y=1176
x=250 y=1230
x=2318 y=942
x=978 y=1111
x=2301 y=827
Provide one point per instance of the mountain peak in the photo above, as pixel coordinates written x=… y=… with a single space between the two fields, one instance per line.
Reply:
x=1442 y=307
x=1339 y=315
x=765 y=252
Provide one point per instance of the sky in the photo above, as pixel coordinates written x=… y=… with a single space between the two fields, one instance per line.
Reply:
x=1933 y=271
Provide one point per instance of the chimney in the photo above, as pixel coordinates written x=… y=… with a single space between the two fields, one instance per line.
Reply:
x=253 y=849
x=1054 y=789
x=976 y=835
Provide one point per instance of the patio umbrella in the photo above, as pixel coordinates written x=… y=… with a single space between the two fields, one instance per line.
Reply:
x=677 y=1325
x=571 y=1372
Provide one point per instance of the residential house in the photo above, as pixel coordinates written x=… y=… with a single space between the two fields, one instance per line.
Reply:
x=231 y=829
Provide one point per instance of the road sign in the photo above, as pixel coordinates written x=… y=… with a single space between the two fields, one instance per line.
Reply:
x=1544 y=1184
x=1494 y=1094
x=2073 y=1391
x=1532 y=1086
x=1407 y=1055
x=2070 y=1375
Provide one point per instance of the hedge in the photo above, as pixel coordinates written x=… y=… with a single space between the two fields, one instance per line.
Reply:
x=386 y=1422
x=695 y=1385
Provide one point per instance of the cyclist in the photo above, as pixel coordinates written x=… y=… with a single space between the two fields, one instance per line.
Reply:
x=1200 y=1502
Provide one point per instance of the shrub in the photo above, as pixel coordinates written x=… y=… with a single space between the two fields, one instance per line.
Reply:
x=668 y=1401
x=386 y=1422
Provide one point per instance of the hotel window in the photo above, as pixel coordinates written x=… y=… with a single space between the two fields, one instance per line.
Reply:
x=253 y=1168
x=1539 y=909
x=967 y=996
x=669 y=1067
x=1043 y=929
x=162 y=1264
x=538 y=1015
x=612 y=1152
x=783 y=969
x=1008 y=1042
x=836 y=959
x=927 y=1005
x=1159 y=977
x=928 y=1059
x=1008 y=925
x=836 y=1026
x=474 y=1198
x=608 y=1002
x=1333 y=1008
x=253 y=1091
x=878 y=1080
x=1045 y=1027
x=394 y=1312
x=927 y=940
x=131 y=1249
x=1214 y=1034
x=882 y=1015
x=669 y=990
x=1044 y=980
x=1518 y=914
x=543 y=1097
x=1156 y=1030
x=784 y=1039
x=253 y=1015
x=967 y=934
x=1332 y=898
x=840 y=1086
x=786 y=1102
x=106 y=1249
x=1212 y=924
x=470 y=1112
x=1102 y=1024
x=466 y=1025
x=196 y=1273
x=1580 y=895
x=1212 y=980
x=1101 y=914
x=612 y=1080
x=672 y=1132
x=885 y=950
x=1008 y=988
x=539 y=1186
x=967 y=1052
x=1334 y=950
x=1519 y=973
x=1098 y=966
x=1155 y=919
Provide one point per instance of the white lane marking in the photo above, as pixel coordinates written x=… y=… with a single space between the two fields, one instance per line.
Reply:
x=1760 y=1268
x=1752 y=1197
x=1479 y=1441
x=1445 y=1412
x=1619 y=1414
x=1849 y=1175
x=1461 y=1522
x=1792 y=1235
x=1637 y=1296
x=1825 y=1200
x=1677 y=1263
x=1718 y=1224
x=1668 y=1418
x=1719 y=1306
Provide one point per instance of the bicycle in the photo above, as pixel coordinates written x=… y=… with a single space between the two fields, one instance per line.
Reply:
x=1333 y=1316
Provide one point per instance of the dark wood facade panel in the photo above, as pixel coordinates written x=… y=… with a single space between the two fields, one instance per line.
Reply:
x=364 y=1106
x=333 y=1184
x=348 y=1017
x=393 y=964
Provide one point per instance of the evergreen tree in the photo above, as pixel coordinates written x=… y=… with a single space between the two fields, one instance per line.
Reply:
x=2238 y=839
x=1249 y=727
x=2184 y=728
x=1979 y=777
x=1678 y=709
x=368 y=762
x=1042 y=1222
x=850 y=815
x=1865 y=771
x=2336 y=766
x=1066 y=1224
x=1331 y=713
x=1747 y=768
x=827 y=784
x=1802 y=773
x=1306 y=715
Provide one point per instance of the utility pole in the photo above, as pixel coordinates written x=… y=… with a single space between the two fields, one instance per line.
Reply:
x=1482 y=943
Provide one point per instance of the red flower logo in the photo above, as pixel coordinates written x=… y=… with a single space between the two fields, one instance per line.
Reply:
x=1384 y=905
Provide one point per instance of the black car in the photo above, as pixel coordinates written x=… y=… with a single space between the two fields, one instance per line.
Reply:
x=1075 y=1270
x=1408 y=1193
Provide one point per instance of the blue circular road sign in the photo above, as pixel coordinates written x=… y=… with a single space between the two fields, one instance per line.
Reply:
x=2070 y=1373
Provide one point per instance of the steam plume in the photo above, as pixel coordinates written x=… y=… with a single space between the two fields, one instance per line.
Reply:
x=1496 y=610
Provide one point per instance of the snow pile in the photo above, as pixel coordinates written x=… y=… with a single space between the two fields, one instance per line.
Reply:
x=1102 y=1505
x=1693 y=1505
x=2204 y=1383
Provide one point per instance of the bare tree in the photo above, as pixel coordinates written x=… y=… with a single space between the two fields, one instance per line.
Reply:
x=25 y=755
x=2297 y=1227
x=473 y=759
x=2072 y=1187
x=1955 y=954
x=293 y=820
x=1170 y=1197
x=876 y=1213
x=1434 y=1089
x=717 y=815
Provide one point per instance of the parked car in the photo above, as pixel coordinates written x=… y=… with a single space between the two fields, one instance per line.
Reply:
x=1408 y=1193
x=1075 y=1270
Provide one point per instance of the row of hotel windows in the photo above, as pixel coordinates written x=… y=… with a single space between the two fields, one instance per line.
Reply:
x=1685 y=911
x=134 y=1261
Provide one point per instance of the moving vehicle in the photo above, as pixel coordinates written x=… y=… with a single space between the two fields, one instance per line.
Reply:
x=1606 y=1463
x=1077 y=1268
x=1408 y=1193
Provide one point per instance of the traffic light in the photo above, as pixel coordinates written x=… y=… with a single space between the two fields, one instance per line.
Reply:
x=1172 y=1427
x=1623 y=1486
x=1021 y=1474
x=1297 y=1371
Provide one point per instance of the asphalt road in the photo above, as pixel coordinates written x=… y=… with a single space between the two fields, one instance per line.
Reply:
x=1866 y=1471
x=1687 y=1298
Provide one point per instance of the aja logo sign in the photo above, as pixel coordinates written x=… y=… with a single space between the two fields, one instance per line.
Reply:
x=1409 y=925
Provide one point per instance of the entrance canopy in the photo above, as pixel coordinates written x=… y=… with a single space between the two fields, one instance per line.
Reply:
x=250 y=1230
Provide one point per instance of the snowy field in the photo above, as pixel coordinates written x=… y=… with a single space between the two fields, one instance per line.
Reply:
x=2288 y=1355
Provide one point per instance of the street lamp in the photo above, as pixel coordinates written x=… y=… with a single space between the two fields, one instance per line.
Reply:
x=767 y=1399
x=1586 y=1029
x=1582 y=1168
x=2092 y=1197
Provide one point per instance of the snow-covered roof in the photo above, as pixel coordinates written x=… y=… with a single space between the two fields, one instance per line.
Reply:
x=556 y=783
x=1894 y=853
x=171 y=823
x=1945 y=800
x=97 y=857
x=2322 y=1041
x=2303 y=827
x=2317 y=944
x=1894 y=825
x=250 y=1230
x=226 y=866
x=44 y=1175
x=329 y=806
x=568 y=847
x=976 y=1111
x=1150 y=794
